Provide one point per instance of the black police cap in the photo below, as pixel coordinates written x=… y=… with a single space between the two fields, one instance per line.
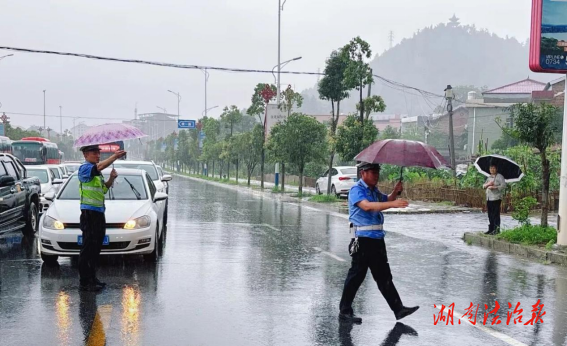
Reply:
x=364 y=166
x=90 y=148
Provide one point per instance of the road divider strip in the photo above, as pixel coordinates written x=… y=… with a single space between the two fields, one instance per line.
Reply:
x=329 y=254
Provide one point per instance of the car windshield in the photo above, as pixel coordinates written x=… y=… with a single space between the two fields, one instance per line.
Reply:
x=55 y=172
x=41 y=174
x=348 y=170
x=72 y=168
x=126 y=187
x=148 y=167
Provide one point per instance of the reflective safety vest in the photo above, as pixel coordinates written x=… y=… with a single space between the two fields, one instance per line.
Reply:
x=92 y=193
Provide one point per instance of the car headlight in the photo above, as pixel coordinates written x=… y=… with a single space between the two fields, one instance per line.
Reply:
x=51 y=223
x=141 y=222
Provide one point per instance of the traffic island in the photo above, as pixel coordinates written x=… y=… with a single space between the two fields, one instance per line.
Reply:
x=535 y=252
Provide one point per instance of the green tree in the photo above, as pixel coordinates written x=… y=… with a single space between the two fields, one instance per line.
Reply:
x=301 y=139
x=16 y=133
x=332 y=88
x=251 y=144
x=230 y=117
x=536 y=125
x=258 y=106
x=289 y=99
x=349 y=134
x=358 y=72
x=372 y=104
x=390 y=133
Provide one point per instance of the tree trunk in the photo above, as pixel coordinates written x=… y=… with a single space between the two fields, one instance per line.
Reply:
x=249 y=174
x=237 y=171
x=283 y=176
x=333 y=129
x=213 y=172
x=545 y=188
x=301 y=180
x=262 y=165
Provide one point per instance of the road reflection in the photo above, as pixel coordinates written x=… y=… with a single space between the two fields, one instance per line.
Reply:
x=130 y=332
x=63 y=318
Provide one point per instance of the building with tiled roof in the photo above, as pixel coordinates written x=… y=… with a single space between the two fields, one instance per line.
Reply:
x=513 y=93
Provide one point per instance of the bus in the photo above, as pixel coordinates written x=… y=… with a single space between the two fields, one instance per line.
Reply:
x=36 y=151
x=106 y=150
x=5 y=145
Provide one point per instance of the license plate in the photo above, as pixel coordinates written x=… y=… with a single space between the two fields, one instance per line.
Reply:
x=105 y=241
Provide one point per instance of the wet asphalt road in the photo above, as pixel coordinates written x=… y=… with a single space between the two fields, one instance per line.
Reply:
x=242 y=269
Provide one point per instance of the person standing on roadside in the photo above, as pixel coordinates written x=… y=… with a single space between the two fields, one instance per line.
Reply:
x=92 y=188
x=494 y=186
x=367 y=248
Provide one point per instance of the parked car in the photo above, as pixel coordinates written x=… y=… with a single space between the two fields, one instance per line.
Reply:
x=19 y=197
x=134 y=218
x=160 y=181
x=48 y=183
x=71 y=167
x=58 y=172
x=161 y=174
x=342 y=179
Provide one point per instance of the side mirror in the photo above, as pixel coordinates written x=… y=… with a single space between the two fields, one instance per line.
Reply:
x=50 y=196
x=57 y=181
x=160 y=196
x=65 y=176
x=166 y=177
x=7 y=180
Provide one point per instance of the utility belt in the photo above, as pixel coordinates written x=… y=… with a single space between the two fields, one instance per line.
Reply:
x=353 y=229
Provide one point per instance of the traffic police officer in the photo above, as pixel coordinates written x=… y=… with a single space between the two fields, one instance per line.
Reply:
x=92 y=188
x=367 y=248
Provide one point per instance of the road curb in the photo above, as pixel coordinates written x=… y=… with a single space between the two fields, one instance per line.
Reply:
x=530 y=252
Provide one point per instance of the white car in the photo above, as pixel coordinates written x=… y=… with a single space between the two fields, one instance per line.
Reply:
x=342 y=179
x=160 y=181
x=134 y=220
x=58 y=172
x=71 y=167
x=48 y=183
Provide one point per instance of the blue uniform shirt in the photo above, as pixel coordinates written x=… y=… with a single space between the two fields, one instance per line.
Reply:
x=87 y=171
x=359 y=192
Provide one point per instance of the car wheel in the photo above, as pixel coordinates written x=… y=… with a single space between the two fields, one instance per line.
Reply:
x=165 y=216
x=31 y=220
x=334 y=191
x=153 y=257
x=317 y=189
x=49 y=259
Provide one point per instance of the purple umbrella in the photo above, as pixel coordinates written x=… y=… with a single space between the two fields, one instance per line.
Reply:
x=401 y=152
x=108 y=133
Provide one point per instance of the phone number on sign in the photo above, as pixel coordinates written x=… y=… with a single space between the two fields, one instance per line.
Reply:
x=512 y=315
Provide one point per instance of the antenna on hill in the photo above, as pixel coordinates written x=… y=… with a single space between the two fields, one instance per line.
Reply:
x=391 y=38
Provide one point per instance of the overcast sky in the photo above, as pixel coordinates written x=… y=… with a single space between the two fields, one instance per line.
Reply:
x=225 y=33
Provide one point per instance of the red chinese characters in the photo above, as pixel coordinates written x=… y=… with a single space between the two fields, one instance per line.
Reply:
x=514 y=315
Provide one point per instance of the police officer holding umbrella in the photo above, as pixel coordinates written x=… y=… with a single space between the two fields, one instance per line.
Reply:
x=367 y=248
x=92 y=188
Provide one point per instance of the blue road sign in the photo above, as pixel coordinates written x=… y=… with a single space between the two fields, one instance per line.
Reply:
x=186 y=124
x=2 y=130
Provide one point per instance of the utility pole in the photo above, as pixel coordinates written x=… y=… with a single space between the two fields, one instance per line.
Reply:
x=44 y=109
x=562 y=215
x=450 y=96
x=61 y=120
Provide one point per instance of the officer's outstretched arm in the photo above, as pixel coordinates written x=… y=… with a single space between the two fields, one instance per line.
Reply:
x=380 y=206
x=102 y=165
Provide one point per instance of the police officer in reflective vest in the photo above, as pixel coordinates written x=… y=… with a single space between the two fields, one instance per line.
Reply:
x=367 y=248
x=92 y=188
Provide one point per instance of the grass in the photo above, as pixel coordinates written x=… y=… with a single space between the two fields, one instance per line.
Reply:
x=446 y=203
x=469 y=242
x=324 y=199
x=530 y=235
x=301 y=195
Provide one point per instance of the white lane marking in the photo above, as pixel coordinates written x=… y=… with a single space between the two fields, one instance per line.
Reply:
x=270 y=227
x=329 y=254
x=238 y=212
x=105 y=312
x=507 y=339
x=332 y=213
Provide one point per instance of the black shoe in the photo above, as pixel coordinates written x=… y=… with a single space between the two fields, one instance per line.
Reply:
x=351 y=318
x=99 y=283
x=90 y=288
x=489 y=232
x=405 y=311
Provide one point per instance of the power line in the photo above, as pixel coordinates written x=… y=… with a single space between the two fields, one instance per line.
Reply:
x=200 y=67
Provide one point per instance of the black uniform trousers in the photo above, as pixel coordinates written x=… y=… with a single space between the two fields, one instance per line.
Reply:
x=371 y=254
x=493 y=208
x=93 y=226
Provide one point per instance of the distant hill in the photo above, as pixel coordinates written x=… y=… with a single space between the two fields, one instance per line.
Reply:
x=435 y=57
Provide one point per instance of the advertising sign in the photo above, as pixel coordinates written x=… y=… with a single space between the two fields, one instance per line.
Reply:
x=274 y=116
x=548 y=43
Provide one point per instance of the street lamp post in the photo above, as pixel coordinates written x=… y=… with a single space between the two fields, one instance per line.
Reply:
x=44 y=109
x=61 y=120
x=282 y=65
x=178 y=101
x=206 y=81
x=208 y=109
x=5 y=56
